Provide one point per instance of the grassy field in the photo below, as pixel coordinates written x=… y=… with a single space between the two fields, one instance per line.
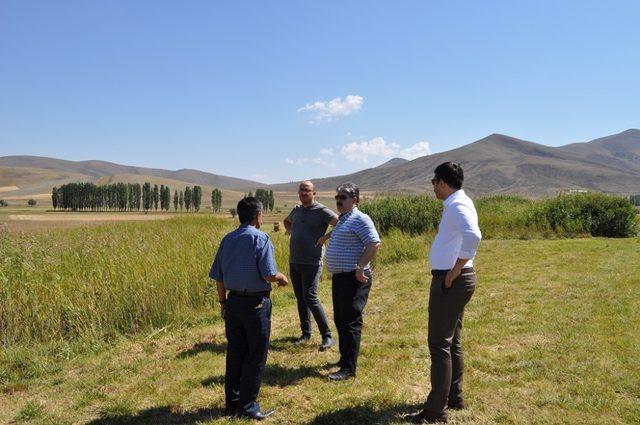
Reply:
x=550 y=335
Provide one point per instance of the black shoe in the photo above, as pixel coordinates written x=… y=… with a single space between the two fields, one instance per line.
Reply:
x=457 y=404
x=259 y=416
x=231 y=409
x=304 y=339
x=426 y=417
x=342 y=375
x=327 y=342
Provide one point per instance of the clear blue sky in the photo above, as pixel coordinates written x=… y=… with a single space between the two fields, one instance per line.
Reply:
x=222 y=86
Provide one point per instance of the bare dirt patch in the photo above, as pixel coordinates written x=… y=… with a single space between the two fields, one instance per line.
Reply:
x=54 y=221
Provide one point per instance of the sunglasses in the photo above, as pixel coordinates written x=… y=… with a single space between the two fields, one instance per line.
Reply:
x=341 y=197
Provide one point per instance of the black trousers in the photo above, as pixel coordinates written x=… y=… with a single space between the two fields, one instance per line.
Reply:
x=349 y=299
x=248 y=328
x=305 y=279
x=446 y=310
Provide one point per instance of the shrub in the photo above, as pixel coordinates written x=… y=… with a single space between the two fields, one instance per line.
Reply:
x=32 y=202
x=411 y=214
x=594 y=213
x=3 y=203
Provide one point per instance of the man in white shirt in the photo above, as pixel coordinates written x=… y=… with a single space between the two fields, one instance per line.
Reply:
x=452 y=285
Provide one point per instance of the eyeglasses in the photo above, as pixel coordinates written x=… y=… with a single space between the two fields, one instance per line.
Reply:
x=341 y=197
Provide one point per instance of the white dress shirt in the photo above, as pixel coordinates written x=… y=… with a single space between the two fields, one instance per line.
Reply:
x=458 y=233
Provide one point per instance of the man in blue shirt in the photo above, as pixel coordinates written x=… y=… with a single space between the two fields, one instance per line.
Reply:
x=354 y=243
x=243 y=268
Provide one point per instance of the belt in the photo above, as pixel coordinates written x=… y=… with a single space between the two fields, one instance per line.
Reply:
x=258 y=294
x=444 y=272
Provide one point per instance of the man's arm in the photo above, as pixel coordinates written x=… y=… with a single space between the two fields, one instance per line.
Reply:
x=222 y=296
x=467 y=223
x=324 y=238
x=287 y=224
x=366 y=257
x=279 y=278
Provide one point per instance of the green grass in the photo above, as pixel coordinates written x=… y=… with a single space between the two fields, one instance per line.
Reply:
x=550 y=336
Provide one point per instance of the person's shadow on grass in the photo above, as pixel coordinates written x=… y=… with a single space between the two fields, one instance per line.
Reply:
x=161 y=415
x=275 y=376
x=202 y=347
x=364 y=414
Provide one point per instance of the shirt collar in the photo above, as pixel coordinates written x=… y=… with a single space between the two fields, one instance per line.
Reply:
x=344 y=216
x=455 y=195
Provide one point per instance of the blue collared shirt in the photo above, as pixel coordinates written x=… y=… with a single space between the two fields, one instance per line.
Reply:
x=244 y=257
x=354 y=231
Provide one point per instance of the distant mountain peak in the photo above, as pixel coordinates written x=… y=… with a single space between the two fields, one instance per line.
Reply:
x=393 y=162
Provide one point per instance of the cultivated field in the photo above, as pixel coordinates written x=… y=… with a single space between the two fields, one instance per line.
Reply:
x=117 y=324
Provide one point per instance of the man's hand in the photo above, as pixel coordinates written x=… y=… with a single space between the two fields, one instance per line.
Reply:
x=282 y=280
x=323 y=239
x=451 y=276
x=360 y=276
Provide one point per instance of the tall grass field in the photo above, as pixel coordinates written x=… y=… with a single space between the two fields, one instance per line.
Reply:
x=118 y=323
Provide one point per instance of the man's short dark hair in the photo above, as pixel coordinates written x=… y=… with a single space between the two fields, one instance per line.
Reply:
x=450 y=173
x=351 y=189
x=248 y=209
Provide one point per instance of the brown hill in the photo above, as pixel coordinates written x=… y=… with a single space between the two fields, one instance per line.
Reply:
x=34 y=176
x=499 y=164
x=620 y=150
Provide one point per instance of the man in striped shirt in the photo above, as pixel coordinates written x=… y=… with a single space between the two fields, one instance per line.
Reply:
x=354 y=243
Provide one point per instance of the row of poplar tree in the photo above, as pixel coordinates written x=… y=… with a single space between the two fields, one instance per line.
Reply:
x=128 y=197
x=265 y=197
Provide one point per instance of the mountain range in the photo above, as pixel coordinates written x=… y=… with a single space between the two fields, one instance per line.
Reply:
x=496 y=164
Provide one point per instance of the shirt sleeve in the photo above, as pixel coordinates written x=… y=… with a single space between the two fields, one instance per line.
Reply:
x=328 y=215
x=467 y=224
x=216 y=268
x=267 y=261
x=366 y=230
x=291 y=214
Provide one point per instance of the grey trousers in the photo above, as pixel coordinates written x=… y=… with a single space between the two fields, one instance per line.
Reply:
x=446 y=309
x=305 y=279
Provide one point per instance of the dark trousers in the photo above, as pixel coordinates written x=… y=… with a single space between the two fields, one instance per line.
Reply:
x=305 y=279
x=349 y=299
x=248 y=328
x=446 y=309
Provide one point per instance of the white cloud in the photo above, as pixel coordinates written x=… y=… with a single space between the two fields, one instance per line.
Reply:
x=296 y=161
x=334 y=108
x=326 y=151
x=380 y=148
x=323 y=162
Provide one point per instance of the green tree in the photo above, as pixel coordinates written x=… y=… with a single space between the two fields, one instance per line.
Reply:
x=188 y=197
x=175 y=201
x=156 y=196
x=233 y=212
x=3 y=203
x=54 y=197
x=197 y=197
x=181 y=200
x=216 y=200
x=272 y=200
x=32 y=202
x=147 y=196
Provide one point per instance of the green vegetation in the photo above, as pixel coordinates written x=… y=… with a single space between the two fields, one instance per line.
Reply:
x=3 y=203
x=216 y=200
x=118 y=324
x=32 y=202
x=266 y=197
x=512 y=216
